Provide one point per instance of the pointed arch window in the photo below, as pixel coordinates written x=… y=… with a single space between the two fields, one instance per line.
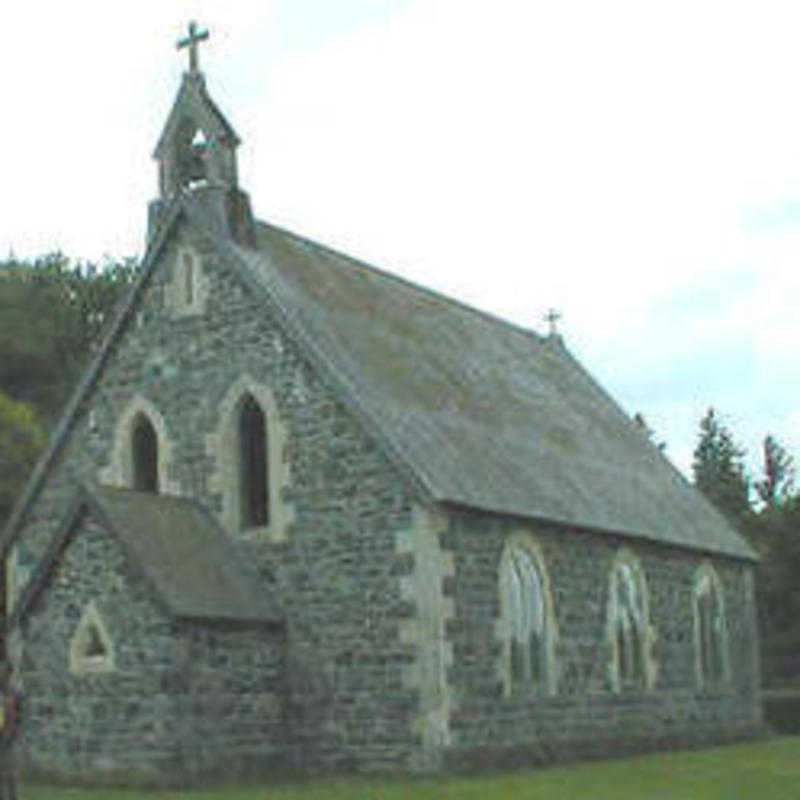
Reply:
x=252 y=475
x=629 y=631
x=144 y=452
x=253 y=464
x=528 y=623
x=710 y=630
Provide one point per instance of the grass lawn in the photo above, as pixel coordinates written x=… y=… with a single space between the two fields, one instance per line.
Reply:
x=763 y=771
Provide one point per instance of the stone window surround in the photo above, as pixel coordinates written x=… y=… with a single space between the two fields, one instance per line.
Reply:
x=523 y=538
x=119 y=471
x=222 y=447
x=645 y=632
x=707 y=580
x=175 y=290
x=79 y=662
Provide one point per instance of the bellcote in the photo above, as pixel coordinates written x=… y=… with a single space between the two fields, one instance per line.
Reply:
x=196 y=155
x=197 y=146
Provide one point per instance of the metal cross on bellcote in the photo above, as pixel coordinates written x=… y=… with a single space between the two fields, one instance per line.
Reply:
x=191 y=42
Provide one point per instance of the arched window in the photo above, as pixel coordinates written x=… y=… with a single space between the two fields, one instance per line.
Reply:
x=629 y=628
x=252 y=472
x=527 y=619
x=710 y=632
x=144 y=451
x=253 y=465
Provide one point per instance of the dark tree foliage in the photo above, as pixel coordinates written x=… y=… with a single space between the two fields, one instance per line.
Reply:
x=21 y=441
x=773 y=529
x=52 y=315
x=775 y=489
x=776 y=532
x=719 y=470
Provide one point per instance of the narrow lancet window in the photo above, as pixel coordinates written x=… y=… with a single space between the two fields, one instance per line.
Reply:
x=188 y=279
x=254 y=474
x=145 y=455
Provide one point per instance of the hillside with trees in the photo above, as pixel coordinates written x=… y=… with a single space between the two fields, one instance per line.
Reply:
x=53 y=313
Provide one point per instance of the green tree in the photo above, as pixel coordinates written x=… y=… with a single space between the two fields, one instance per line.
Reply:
x=52 y=317
x=718 y=468
x=21 y=441
x=775 y=489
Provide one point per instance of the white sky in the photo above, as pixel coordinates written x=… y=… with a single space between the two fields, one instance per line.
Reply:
x=635 y=165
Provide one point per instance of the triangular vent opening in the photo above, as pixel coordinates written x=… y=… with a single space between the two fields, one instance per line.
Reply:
x=94 y=647
x=91 y=648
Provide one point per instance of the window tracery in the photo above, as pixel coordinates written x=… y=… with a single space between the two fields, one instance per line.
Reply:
x=528 y=625
x=710 y=630
x=629 y=631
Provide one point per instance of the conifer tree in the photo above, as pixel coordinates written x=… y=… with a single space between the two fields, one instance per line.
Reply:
x=775 y=489
x=718 y=468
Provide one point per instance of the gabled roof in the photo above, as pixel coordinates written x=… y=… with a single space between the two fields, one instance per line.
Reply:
x=193 y=100
x=179 y=549
x=477 y=412
x=486 y=414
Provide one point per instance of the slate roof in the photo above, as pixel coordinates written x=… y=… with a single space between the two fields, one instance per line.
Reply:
x=487 y=414
x=479 y=412
x=178 y=547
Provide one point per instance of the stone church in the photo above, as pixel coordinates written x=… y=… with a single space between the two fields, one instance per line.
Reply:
x=303 y=514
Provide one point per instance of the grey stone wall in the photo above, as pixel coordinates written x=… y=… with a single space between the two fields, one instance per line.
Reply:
x=103 y=722
x=167 y=707
x=338 y=574
x=586 y=716
x=228 y=693
x=342 y=581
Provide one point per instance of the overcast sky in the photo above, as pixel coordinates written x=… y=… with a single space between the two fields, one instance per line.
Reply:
x=635 y=165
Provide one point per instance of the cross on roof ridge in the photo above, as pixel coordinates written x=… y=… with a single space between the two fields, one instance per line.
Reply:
x=552 y=317
x=191 y=41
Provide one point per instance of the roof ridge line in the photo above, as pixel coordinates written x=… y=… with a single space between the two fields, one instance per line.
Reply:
x=488 y=315
x=660 y=454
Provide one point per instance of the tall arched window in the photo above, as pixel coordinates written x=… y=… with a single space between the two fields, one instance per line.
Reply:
x=527 y=618
x=252 y=474
x=629 y=628
x=144 y=451
x=710 y=633
x=253 y=464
